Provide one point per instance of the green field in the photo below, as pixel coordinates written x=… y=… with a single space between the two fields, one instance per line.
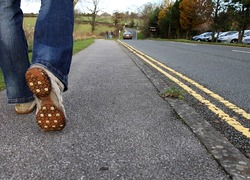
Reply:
x=82 y=28
x=78 y=46
x=29 y=21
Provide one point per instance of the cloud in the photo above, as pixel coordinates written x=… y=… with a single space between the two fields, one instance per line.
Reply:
x=30 y=6
x=33 y=6
x=111 y=6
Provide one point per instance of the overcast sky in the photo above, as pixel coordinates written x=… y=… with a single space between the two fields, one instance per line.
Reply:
x=109 y=6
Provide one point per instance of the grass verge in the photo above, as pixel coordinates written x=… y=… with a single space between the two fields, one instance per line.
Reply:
x=173 y=92
x=78 y=46
x=201 y=42
x=2 y=86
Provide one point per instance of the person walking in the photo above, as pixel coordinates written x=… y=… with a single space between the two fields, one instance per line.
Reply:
x=111 y=34
x=107 y=34
x=40 y=83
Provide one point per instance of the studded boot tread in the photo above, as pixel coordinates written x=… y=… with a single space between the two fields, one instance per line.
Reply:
x=49 y=116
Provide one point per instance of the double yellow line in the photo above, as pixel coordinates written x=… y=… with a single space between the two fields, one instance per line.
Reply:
x=220 y=113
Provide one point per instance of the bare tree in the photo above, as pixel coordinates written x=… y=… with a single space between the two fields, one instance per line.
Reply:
x=94 y=11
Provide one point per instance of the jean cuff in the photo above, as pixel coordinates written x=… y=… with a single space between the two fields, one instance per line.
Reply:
x=21 y=100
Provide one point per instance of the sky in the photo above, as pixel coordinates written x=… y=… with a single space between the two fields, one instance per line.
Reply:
x=109 y=6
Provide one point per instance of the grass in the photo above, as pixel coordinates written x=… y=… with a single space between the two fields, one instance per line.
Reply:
x=29 y=21
x=209 y=43
x=102 y=19
x=2 y=86
x=82 y=29
x=78 y=46
x=173 y=92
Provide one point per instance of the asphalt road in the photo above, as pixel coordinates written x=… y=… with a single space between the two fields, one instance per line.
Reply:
x=223 y=69
x=118 y=128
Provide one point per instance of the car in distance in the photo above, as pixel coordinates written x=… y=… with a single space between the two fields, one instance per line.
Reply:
x=218 y=36
x=234 y=37
x=202 y=37
x=225 y=35
x=127 y=35
x=225 y=38
x=246 y=40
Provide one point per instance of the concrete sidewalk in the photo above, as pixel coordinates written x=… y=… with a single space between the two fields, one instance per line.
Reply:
x=118 y=128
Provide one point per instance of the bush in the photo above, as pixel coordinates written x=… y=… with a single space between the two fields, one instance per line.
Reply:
x=140 y=36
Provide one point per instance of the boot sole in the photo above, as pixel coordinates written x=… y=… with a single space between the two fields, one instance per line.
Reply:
x=49 y=117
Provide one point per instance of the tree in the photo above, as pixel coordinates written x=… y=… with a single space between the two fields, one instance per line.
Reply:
x=242 y=15
x=144 y=15
x=226 y=21
x=169 y=19
x=218 y=6
x=194 y=13
x=132 y=17
x=153 y=19
x=175 y=19
x=94 y=11
x=164 y=22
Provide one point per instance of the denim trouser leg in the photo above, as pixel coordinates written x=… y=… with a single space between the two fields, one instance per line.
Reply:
x=53 y=39
x=13 y=52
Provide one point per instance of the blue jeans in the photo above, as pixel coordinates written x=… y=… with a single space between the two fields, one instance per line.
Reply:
x=53 y=43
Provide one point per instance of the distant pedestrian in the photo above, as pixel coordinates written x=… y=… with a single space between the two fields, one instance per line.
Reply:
x=111 y=34
x=107 y=34
x=47 y=76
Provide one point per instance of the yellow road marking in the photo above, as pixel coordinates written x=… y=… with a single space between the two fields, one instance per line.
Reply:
x=221 y=114
x=228 y=104
x=209 y=92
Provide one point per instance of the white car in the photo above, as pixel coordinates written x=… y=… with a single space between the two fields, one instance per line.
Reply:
x=233 y=38
x=224 y=34
x=246 y=40
x=202 y=37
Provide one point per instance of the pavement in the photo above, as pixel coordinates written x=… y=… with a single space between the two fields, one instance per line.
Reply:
x=118 y=127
